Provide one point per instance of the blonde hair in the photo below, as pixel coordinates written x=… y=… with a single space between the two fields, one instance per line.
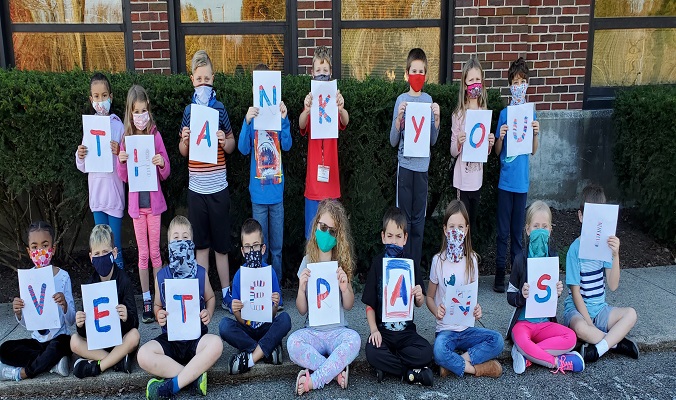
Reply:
x=178 y=220
x=343 y=252
x=455 y=207
x=101 y=234
x=322 y=53
x=461 y=109
x=136 y=93
x=536 y=207
x=201 y=59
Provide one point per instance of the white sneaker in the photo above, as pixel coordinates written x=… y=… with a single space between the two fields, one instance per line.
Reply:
x=518 y=361
x=62 y=367
x=7 y=372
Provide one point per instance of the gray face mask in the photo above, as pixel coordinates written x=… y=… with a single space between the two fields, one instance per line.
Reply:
x=322 y=77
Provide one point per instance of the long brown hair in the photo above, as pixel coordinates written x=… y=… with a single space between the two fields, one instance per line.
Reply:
x=343 y=252
x=461 y=108
x=455 y=207
x=136 y=93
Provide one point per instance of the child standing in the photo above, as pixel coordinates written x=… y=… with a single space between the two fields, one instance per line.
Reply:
x=48 y=349
x=106 y=191
x=514 y=180
x=266 y=179
x=322 y=179
x=456 y=264
x=412 y=171
x=395 y=347
x=208 y=194
x=182 y=362
x=327 y=350
x=468 y=176
x=145 y=208
x=538 y=340
x=102 y=251
x=254 y=340
x=600 y=326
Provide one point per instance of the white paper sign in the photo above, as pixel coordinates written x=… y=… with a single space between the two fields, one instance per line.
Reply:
x=477 y=129
x=141 y=172
x=417 y=129
x=599 y=222
x=323 y=294
x=203 y=128
x=543 y=274
x=519 y=138
x=398 y=280
x=267 y=93
x=102 y=322
x=460 y=302
x=255 y=290
x=324 y=110
x=182 y=298
x=36 y=288
x=96 y=135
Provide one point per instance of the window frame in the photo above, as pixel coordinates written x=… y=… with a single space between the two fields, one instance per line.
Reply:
x=601 y=97
x=8 y=28
x=179 y=30
x=444 y=23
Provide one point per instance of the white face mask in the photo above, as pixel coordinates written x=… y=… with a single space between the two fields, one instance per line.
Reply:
x=203 y=94
x=102 y=107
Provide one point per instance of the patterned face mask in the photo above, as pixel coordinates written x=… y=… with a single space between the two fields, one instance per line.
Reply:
x=141 y=120
x=254 y=258
x=182 y=263
x=518 y=94
x=456 y=245
x=42 y=257
x=203 y=94
x=102 y=107
x=474 y=90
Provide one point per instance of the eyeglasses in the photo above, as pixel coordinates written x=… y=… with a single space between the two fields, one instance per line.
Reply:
x=323 y=227
x=254 y=247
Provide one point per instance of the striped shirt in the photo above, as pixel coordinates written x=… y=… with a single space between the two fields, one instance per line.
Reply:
x=205 y=178
x=589 y=276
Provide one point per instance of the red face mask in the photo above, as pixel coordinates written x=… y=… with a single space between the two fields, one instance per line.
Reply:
x=416 y=81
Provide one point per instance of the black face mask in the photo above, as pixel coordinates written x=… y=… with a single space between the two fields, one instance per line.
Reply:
x=322 y=77
x=254 y=258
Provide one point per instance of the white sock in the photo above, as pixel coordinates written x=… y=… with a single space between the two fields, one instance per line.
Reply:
x=17 y=374
x=251 y=361
x=146 y=296
x=225 y=291
x=602 y=347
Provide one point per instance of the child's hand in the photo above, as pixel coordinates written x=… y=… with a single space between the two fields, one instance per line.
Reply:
x=221 y=137
x=275 y=299
x=342 y=279
x=491 y=139
x=340 y=101
x=536 y=128
x=441 y=311
x=525 y=290
x=60 y=300
x=614 y=244
x=503 y=131
x=401 y=110
x=17 y=306
x=185 y=136
x=417 y=293
x=162 y=317
x=251 y=114
x=302 y=281
x=376 y=339
x=114 y=147
x=205 y=316
x=308 y=101
x=236 y=305
x=559 y=288
x=158 y=160
x=436 y=113
x=282 y=109
x=461 y=139
x=122 y=312
x=477 y=312
x=80 y=317
x=123 y=156
x=81 y=151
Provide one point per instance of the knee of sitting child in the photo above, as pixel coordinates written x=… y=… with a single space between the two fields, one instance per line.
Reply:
x=630 y=314
x=132 y=338
x=75 y=342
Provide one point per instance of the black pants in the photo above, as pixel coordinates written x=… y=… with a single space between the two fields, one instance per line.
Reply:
x=412 y=201
x=471 y=202
x=400 y=351
x=35 y=357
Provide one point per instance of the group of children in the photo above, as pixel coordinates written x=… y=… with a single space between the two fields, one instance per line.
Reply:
x=323 y=352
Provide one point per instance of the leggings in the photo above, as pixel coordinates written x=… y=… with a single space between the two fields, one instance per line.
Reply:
x=542 y=342
x=115 y=224
x=327 y=353
x=147 y=229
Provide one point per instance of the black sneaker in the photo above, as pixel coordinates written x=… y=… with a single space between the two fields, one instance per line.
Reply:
x=84 y=368
x=627 y=347
x=124 y=365
x=239 y=363
x=499 y=285
x=380 y=375
x=276 y=356
x=422 y=376
x=589 y=352
x=148 y=315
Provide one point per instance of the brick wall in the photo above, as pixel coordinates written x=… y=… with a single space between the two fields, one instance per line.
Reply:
x=550 y=34
x=314 y=29
x=150 y=27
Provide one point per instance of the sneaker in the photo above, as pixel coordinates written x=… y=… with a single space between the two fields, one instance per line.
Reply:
x=422 y=376
x=199 y=386
x=380 y=375
x=84 y=368
x=518 y=361
x=627 y=347
x=572 y=361
x=227 y=301
x=239 y=363
x=499 y=284
x=148 y=315
x=159 y=389
x=276 y=356
x=8 y=373
x=124 y=365
x=62 y=367
x=589 y=352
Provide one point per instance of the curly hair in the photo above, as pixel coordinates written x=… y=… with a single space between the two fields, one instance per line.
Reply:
x=517 y=68
x=343 y=252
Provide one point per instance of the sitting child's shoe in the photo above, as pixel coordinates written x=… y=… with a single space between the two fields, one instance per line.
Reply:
x=490 y=368
x=148 y=315
x=124 y=365
x=627 y=347
x=86 y=368
x=276 y=356
x=227 y=301
x=239 y=363
x=518 y=361
x=422 y=376
x=572 y=362
x=157 y=389
x=199 y=386
x=589 y=352
x=380 y=375
x=62 y=367
x=9 y=373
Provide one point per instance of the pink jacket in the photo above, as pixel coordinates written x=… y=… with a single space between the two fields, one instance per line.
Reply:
x=157 y=203
x=467 y=176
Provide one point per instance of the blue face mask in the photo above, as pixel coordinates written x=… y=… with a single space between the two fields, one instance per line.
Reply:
x=538 y=245
x=103 y=264
x=325 y=241
x=393 y=251
x=203 y=94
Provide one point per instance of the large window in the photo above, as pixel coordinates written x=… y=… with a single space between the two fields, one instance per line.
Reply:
x=373 y=37
x=237 y=34
x=630 y=43
x=60 y=35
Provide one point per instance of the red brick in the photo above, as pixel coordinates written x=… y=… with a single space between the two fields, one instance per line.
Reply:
x=158 y=6
x=138 y=54
x=305 y=5
x=149 y=16
x=324 y=23
x=324 y=42
x=141 y=45
x=142 y=64
x=152 y=54
x=135 y=17
x=486 y=11
x=140 y=26
x=554 y=46
x=139 y=7
x=559 y=106
x=315 y=33
x=161 y=45
x=322 y=5
x=166 y=54
x=159 y=26
x=580 y=37
x=306 y=24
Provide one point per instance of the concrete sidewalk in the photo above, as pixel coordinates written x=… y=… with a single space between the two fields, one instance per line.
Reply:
x=651 y=291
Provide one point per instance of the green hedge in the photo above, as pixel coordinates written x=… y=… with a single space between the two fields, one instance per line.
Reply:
x=644 y=154
x=40 y=125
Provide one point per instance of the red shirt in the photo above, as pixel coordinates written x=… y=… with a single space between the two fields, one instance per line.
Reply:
x=315 y=190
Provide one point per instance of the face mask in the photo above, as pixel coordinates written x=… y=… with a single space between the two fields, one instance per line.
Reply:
x=538 y=245
x=103 y=264
x=102 y=107
x=253 y=258
x=416 y=81
x=322 y=77
x=325 y=241
x=141 y=120
x=393 y=251
x=42 y=257
x=474 y=90
x=203 y=94
x=456 y=245
x=182 y=263
x=518 y=93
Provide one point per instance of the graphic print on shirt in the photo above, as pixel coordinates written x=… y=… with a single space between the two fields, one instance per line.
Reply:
x=268 y=157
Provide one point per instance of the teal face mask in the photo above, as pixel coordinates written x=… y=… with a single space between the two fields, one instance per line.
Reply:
x=325 y=241
x=539 y=243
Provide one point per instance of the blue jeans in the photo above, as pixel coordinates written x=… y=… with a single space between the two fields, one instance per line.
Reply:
x=116 y=225
x=271 y=218
x=310 y=212
x=267 y=336
x=481 y=344
x=511 y=220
